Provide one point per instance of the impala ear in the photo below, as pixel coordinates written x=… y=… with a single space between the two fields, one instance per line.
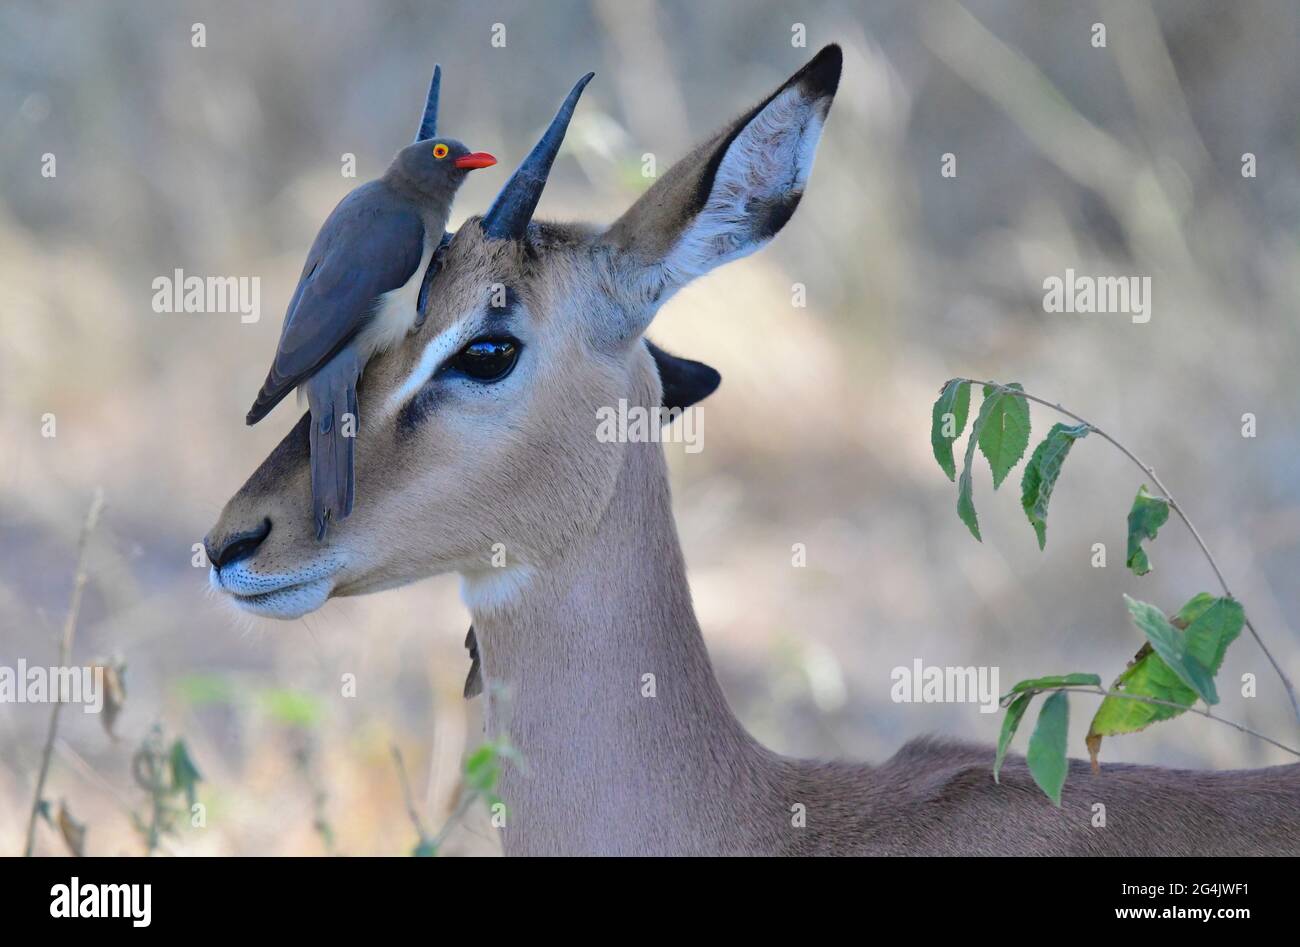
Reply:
x=684 y=381
x=731 y=194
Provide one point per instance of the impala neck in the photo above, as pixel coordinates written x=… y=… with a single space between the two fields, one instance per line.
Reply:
x=618 y=761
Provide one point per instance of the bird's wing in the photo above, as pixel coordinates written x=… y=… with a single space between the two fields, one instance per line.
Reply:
x=367 y=247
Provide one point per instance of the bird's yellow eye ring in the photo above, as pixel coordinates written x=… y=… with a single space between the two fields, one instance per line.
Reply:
x=440 y=151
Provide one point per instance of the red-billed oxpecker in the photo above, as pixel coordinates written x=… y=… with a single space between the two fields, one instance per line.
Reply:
x=360 y=291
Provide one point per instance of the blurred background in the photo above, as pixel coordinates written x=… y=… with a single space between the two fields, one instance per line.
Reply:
x=225 y=159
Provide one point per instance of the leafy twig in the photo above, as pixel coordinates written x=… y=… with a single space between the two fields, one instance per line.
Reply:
x=482 y=769
x=147 y=768
x=1169 y=703
x=65 y=655
x=1168 y=497
x=166 y=773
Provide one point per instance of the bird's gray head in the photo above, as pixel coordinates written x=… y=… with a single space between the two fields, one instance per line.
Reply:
x=479 y=447
x=435 y=167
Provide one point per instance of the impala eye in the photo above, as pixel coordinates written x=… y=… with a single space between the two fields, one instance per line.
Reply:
x=440 y=151
x=486 y=359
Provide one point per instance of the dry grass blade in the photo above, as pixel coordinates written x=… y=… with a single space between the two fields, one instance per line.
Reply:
x=65 y=655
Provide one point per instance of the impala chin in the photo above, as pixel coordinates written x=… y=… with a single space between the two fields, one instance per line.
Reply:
x=285 y=595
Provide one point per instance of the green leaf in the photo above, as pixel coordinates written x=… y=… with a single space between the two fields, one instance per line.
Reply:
x=1147 y=515
x=1002 y=432
x=1046 y=756
x=1196 y=606
x=966 y=498
x=1041 y=472
x=1171 y=644
x=1146 y=676
x=482 y=768
x=949 y=415
x=202 y=689
x=1009 y=724
x=295 y=708
x=185 y=775
x=1056 y=680
x=1004 y=435
x=965 y=487
x=1211 y=625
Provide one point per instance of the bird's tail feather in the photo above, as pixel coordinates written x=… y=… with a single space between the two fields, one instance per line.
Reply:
x=266 y=400
x=332 y=397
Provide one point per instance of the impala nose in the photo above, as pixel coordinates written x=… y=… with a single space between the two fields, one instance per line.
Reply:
x=236 y=546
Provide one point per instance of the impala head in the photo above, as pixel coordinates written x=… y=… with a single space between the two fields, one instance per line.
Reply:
x=479 y=427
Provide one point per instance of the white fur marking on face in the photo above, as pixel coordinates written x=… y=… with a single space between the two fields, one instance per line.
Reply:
x=771 y=157
x=490 y=590
x=436 y=351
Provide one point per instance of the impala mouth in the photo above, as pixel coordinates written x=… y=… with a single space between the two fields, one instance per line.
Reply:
x=284 y=596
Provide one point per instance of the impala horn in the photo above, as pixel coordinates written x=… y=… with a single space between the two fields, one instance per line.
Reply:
x=508 y=217
x=429 y=123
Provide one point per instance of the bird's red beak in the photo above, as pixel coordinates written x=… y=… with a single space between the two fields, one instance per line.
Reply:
x=475 y=159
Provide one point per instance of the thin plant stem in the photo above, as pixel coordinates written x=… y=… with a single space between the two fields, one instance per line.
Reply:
x=1169 y=703
x=467 y=799
x=1173 y=504
x=407 y=798
x=65 y=655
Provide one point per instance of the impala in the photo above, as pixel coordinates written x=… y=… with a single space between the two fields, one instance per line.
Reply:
x=477 y=438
